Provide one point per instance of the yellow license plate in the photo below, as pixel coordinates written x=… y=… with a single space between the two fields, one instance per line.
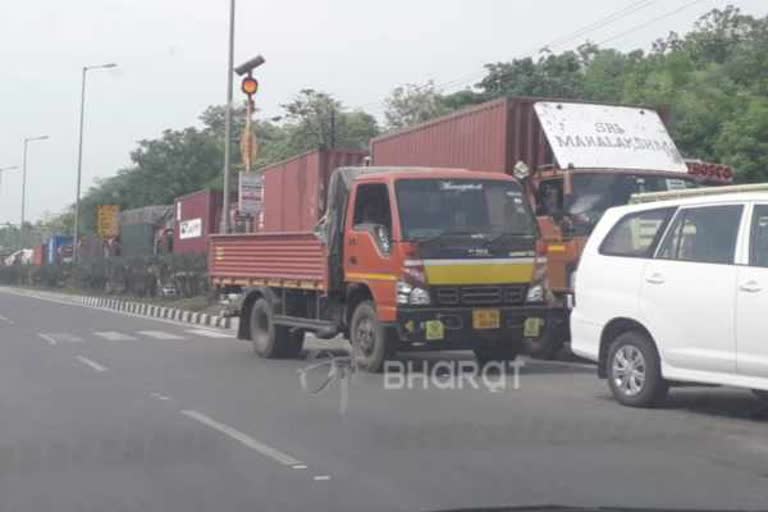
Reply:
x=486 y=319
x=532 y=327
x=434 y=330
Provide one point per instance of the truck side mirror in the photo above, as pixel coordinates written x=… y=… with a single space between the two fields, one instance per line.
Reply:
x=383 y=238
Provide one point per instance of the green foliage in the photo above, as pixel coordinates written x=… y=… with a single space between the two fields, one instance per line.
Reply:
x=714 y=80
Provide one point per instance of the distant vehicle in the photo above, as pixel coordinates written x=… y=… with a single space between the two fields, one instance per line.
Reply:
x=403 y=259
x=582 y=158
x=676 y=289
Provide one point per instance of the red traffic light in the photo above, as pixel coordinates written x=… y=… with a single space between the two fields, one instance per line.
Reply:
x=249 y=85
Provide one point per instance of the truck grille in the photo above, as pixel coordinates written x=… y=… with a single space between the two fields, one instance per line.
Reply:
x=479 y=295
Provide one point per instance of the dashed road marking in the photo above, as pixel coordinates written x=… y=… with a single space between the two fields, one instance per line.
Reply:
x=209 y=334
x=50 y=339
x=323 y=478
x=65 y=337
x=92 y=364
x=6 y=320
x=299 y=466
x=263 y=449
x=114 y=336
x=159 y=396
x=160 y=335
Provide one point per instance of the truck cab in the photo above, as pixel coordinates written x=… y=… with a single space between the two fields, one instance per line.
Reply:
x=402 y=259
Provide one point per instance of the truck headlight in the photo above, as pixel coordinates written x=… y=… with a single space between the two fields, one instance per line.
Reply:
x=536 y=293
x=409 y=294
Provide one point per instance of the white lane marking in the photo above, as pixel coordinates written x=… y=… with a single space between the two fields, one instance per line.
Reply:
x=299 y=466
x=160 y=335
x=321 y=477
x=93 y=364
x=6 y=320
x=63 y=336
x=267 y=451
x=209 y=334
x=159 y=396
x=50 y=339
x=114 y=336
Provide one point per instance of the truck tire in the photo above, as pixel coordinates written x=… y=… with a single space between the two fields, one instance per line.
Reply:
x=634 y=371
x=499 y=353
x=371 y=343
x=271 y=341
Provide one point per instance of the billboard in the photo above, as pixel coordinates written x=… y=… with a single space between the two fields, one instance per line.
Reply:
x=108 y=225
x=249 y=193
x=589 y=136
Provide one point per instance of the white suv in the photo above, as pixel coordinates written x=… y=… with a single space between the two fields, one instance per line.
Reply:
x=676 y=290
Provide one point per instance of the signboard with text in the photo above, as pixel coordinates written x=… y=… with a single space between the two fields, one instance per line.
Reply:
x=108 y=225
x=192 y=228
x=249 y=193
x=588 y=136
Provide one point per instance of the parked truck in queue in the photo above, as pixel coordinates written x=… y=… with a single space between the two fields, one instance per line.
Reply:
x=581 y=158
x=402 y=259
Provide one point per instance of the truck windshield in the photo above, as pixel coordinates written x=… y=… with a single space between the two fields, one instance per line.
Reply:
x=435 y=207
x=593 y=193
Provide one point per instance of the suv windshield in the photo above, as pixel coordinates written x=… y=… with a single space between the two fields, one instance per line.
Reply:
x=593 y=193
x=435 y=207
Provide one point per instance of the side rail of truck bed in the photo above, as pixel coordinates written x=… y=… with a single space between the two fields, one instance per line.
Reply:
x=289 y=260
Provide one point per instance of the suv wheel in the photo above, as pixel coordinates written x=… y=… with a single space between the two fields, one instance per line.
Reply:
x=634 y=371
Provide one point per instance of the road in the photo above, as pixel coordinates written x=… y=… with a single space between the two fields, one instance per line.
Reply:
x=105 y=411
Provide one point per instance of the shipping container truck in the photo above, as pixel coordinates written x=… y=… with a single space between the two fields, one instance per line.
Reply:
x=197 y=215
x=577 y=159
x=402 y=259
x=294 y=189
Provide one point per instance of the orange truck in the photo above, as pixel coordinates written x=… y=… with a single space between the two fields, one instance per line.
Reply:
x=401 y=259
x=576 y=159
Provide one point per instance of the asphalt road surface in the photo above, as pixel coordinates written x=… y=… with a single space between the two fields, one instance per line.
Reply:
x=101 y=411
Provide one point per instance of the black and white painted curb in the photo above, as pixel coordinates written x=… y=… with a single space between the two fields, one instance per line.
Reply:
x=130 y=307
x=155 y=311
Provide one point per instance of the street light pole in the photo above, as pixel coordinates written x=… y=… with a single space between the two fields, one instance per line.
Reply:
x=2 y=169
x=76 y=234
x=225 y=224
x=24 y=185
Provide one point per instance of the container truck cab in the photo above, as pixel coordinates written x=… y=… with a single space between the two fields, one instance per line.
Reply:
x=403 y=259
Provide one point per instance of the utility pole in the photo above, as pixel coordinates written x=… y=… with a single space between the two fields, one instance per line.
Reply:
x=24 y=186
x=76 y=234
x=225 y=224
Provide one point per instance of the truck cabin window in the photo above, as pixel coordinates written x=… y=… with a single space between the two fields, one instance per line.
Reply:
x=549 y=198
x=431 y=207
x=372 y=207
x=593 y=193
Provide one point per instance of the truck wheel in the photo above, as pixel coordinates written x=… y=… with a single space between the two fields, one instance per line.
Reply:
x=269 y=340
x=263 y=329
x=496 y=354
x=634 y=371
x=371 y=344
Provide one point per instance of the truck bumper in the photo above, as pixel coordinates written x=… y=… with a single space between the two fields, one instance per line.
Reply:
x=425 y=328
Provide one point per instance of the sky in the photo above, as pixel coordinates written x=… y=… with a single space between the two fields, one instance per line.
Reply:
x=172 y=57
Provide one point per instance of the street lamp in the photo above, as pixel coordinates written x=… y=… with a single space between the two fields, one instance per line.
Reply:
x=2 y=169
x=76 y=234
x=24 y=184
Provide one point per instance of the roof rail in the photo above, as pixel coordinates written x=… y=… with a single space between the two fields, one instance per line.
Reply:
x=648 y=197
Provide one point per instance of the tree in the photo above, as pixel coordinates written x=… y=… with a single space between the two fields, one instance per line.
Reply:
x=413 y=104
x=316 y=119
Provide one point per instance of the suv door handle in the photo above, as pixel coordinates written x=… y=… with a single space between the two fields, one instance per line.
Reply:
x=655 y=278
x=750 y=287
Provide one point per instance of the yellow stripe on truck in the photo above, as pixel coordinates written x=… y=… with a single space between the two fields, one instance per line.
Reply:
x=473 y=273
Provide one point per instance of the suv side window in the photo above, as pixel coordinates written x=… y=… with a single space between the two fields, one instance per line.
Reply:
x=758 y=244
x=636 y=234
x=705 y=234
x=372 y=205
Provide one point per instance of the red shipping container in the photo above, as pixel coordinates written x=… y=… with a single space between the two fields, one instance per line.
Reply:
x=493 y=136
x=38 y=254
x=294 y=189
x=196 y=215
